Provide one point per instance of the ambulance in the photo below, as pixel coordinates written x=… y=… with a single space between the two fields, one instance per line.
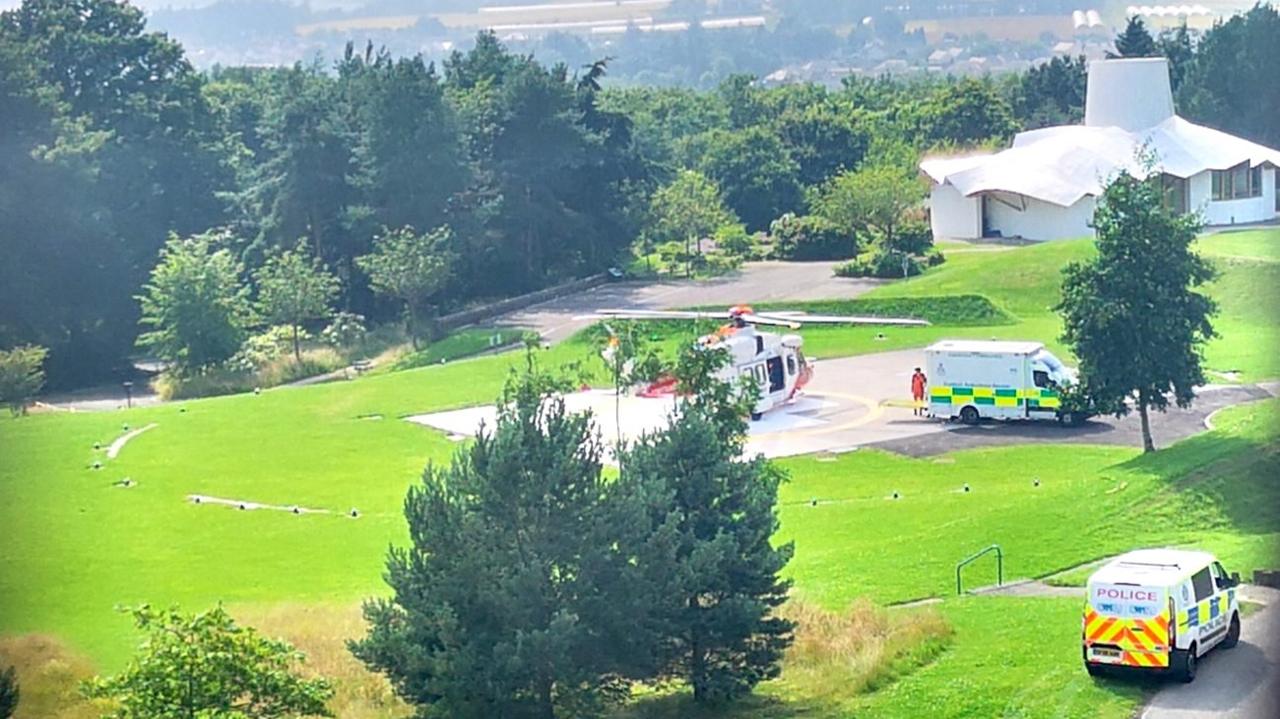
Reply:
x=1159 y=610
x=971 y=380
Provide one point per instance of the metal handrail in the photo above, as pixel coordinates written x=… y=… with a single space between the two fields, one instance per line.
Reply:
x=999 y=565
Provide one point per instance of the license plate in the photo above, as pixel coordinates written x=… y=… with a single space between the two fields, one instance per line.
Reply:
x=1106 y=653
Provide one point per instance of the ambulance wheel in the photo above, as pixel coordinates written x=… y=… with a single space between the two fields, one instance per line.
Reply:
x=1184 y=664
x=1233 y=633
x=1093 y=669
x=969 y=415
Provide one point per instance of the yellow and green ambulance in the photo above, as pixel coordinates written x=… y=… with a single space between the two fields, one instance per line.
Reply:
x=971 y=380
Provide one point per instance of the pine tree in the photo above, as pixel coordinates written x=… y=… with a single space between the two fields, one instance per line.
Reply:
x=715 y=626
x=9 y=693
x=513 y=599
x=1135 y=41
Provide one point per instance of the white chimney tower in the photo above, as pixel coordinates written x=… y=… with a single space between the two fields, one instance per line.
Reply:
x=1129 y=93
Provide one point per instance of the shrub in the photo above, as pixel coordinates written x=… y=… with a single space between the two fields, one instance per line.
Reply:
x=858 y=649
x=882 y=264
x=21 y=376
x=347 y=329
x=811 y=238
x=733 y=240
x=672 y=256
x=235 y=379
x=954 y=310
x=263 y=348
x=889 y=264
x=913 y=237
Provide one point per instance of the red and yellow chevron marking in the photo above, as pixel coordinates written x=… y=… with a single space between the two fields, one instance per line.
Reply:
x=1142 y=642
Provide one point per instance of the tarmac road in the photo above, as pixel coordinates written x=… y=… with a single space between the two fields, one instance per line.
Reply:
x=755 y=282
x=1239 y=683
x=861 y=388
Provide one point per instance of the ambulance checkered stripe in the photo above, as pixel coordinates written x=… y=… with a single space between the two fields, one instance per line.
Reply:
x=998 y=397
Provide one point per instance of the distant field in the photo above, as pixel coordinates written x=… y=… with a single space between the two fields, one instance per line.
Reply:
x=505 y=14
x=372 y=22
x=999 y=27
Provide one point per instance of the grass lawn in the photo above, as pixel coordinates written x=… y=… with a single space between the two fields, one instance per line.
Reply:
x=1024 y=283
x=76 y=545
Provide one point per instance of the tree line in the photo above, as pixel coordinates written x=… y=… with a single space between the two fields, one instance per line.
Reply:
x=523 y=174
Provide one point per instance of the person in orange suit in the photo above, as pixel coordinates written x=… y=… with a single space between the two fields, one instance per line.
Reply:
x=918 y=384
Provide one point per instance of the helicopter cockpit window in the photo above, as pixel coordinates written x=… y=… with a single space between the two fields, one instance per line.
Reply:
x=759 y=344
x=791 y=365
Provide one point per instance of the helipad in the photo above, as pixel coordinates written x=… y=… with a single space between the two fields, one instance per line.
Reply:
x=842 y=409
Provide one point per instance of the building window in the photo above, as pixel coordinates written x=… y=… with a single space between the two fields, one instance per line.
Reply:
x=1175 y=193
x=1238 y=182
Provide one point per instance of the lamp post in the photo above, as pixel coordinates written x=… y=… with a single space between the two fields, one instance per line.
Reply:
x=128 y=393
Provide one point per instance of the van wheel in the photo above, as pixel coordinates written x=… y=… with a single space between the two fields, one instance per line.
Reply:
x=1233 y=633
x=1093 y=669
x=755 y=416
x=1184 y=664
x=969 y=415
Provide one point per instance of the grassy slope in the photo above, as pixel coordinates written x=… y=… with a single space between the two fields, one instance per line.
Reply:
x=77 y=546
x=1025 y=282
x=1091 y=502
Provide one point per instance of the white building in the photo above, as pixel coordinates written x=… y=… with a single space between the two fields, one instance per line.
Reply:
x=1044 y=187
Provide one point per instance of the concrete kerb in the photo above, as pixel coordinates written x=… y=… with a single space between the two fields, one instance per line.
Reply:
x=119 y=443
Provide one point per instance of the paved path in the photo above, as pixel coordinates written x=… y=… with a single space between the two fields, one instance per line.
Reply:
x=755 y=282
x=1239 y=683
x=860 y=388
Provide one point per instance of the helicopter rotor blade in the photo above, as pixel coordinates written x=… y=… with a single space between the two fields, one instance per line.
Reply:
x=803 y=318
x=774 y=321
x=657 y=315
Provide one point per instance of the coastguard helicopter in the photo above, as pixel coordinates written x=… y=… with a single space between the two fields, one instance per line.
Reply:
x=774 y=360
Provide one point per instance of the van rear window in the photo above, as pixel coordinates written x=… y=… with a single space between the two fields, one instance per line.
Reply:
x=1127 y=600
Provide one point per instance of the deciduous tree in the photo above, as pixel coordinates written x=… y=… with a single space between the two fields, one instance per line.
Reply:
x=205 y=665
x=411 y=268
x=686 y=210
x=1132 y=314
x=195 y=305
x=754 y=171
x=21 y=376
x=874 y=197
x=294 y=287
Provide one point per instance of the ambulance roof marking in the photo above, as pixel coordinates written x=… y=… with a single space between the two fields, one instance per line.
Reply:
x=986 y=346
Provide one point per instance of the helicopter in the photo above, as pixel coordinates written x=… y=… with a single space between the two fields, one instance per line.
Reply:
x=776 y=361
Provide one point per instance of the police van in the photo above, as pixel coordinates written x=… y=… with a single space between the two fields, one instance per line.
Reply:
x=1159 y=610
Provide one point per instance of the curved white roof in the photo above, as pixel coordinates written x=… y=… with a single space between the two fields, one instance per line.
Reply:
x=1062 y=164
